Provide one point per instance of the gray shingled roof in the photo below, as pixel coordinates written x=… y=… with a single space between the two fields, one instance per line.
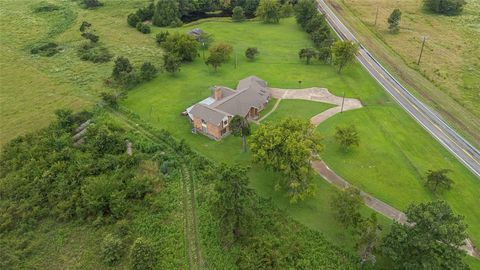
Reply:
x=208 y=114
x=251 y=92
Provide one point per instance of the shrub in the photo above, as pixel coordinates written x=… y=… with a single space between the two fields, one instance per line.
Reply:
x=250 y=53
x=447 y=7
x=122 y=65
x=161 y=37
x=92 y=37
x=111 y=249
x=45 y=49
x=110 y=99
x=147 y=71
x=171 y=63
x=142 y=255
x=128 y=80
x=46 y=8
x=94 y=53
x=133 y=20
x=92 y=3
x=237 y=14
x=164 y=168
x=143 y=28
x=146 y=13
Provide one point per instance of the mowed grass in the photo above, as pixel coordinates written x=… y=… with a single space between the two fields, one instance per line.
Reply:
x=448 y=76
x=33 y=87
x=394 y=154
x=302 y=109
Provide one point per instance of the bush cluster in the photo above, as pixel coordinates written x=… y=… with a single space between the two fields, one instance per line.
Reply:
x=124 y=74
x=46 y=175
x=94 y=53
x=138 y=18
x=45 y=49
x=91 y=3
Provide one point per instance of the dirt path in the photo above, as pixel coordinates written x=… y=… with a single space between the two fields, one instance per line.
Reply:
x=377 y=205
x=315 y=94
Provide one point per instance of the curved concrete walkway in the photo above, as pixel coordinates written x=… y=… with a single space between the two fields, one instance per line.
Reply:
x=315 y=94
x=377 y=205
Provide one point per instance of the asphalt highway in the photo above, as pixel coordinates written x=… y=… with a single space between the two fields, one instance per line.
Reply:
x=466 y=153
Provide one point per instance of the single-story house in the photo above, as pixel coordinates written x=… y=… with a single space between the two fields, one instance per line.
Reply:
x=212 y=115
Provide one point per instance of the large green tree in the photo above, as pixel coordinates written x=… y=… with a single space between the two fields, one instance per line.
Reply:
x=288 y=147
x=219 y=54
x=343 y=53
x=304 y=11
x=166 y=13
x=447 y=7
x=268 y=11
x=438 y=180
x=234 y=203
x=431 y=239
x=182 y=45
x=241 y=127
x=346 y=207
x=317 y=22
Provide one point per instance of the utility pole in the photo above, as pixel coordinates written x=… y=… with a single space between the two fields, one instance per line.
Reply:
x=343 y=101
x=236 y=62
x=376 y=17
x=203 y=50
x=421 y=51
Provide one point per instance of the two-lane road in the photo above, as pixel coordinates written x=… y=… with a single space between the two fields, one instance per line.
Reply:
x=430 y=120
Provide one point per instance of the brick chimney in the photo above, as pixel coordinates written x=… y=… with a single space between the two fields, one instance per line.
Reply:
x=217 y=93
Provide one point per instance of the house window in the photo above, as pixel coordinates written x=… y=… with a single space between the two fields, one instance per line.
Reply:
x=204 y=122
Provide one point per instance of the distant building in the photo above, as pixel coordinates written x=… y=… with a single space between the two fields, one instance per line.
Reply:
x=195 y=33
x=212 y=115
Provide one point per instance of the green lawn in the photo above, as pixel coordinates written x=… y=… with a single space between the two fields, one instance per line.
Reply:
x=394 y=153
x=32 y=87
x=302 y=109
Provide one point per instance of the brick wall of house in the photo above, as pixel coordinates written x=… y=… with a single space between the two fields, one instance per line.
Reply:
x=214 y=130
x=197 y=123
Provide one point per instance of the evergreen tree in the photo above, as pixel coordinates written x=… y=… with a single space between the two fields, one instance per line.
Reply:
x=166 y=13
x=394 y=21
